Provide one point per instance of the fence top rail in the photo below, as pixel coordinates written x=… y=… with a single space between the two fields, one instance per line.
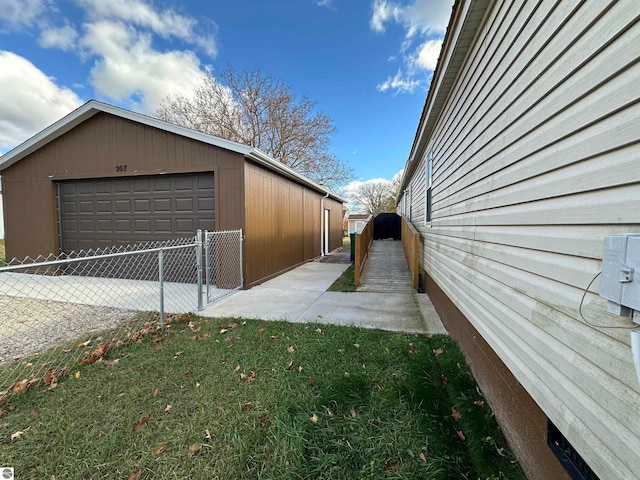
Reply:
x=364 y=225
x=410 y=226
x=66 y=261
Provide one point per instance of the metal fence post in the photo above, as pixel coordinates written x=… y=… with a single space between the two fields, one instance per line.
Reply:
x=199 y=264
x=161 y=279
x=207 y=267
x=241 y=269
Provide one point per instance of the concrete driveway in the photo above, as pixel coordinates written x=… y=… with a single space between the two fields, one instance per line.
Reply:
x=300 y=296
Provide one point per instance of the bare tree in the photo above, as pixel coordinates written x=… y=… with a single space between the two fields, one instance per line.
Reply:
x=261 y=111
x=373 y=196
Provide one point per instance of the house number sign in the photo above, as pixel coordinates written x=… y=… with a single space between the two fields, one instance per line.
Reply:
x=121 y=168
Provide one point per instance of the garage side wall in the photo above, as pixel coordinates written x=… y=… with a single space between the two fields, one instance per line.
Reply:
x=282 y=224
x=106 y=146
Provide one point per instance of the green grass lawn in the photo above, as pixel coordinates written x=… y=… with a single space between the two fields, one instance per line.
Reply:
x=346 y=282
x=2 y=253
x=270 y=400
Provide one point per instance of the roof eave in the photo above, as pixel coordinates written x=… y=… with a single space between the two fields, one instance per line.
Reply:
x=93 y=107
x=466 y=19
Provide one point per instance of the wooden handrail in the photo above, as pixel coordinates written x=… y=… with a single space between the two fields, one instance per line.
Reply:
x=411 y=246
x=363 y=239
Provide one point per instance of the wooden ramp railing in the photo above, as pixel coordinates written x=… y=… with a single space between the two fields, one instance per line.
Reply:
x=363 y=238
x=411 y=246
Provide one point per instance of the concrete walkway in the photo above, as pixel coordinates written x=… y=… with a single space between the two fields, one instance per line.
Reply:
x=300 y=296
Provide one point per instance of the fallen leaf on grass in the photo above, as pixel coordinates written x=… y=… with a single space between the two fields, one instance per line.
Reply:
x=412 y=349
x=168 y=408
x=207 y=435
x=391 y=464
x=290 y=365
x=261 y=330
x=19 y=387
x=444 y=379
x=273 y=339
x=84 y=344
x=77 y=374
x=97 y=354
x=194 y=326
x=228 y=338
x=461 y=435
x=197 y=384
x=193 y=449
x=455 y=414
x=299 y=368
x=17 y=435
x=223 y=330
x=155 y=392
x=111 y=363
x=329 y=412
x=232 y=325
x=422 y=457
x=353 y=414
x=318 y=330
x=314 y=418
x=248 y=378
x=291 y=349
x=158 y=450
x=140 y=424
x=246 y=406
x=479 y=403
x=134 y=476
x=437 y=351
x=357 y=345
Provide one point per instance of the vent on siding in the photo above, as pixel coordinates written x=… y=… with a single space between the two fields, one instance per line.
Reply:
x=573 y=463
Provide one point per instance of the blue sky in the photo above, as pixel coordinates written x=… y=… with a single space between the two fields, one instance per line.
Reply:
x=367 y=63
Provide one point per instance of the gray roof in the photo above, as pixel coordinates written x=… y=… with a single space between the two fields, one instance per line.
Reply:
x=93 y=107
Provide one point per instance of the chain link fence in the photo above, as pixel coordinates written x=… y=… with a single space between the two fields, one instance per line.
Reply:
x=57 y=311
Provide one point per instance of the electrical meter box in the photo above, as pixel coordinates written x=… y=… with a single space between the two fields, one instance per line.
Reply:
x=620 y=281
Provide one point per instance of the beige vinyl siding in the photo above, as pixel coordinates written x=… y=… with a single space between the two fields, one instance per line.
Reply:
x=536 y=159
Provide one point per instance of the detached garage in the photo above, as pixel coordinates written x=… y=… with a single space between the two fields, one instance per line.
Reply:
x=104 y=176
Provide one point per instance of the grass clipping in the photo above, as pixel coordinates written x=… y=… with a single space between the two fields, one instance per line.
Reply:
x=252 y=399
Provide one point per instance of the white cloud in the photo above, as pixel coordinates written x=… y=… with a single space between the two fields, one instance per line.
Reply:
x=128 y=67
x=424 y=23
x=324 y=3
x=63 y=38
x=36 y=101
x=400 y=83
x=428 y=54
x=21 y=13
x=382 y=12
x=165 y=23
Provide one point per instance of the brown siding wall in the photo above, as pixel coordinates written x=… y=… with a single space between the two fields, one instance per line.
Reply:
x=522 y=421
x=92 y=150
x=282 y=224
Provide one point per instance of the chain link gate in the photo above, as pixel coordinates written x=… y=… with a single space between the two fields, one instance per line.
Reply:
x=223 y=263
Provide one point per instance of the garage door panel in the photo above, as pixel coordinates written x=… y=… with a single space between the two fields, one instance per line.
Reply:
x=205 y=204
x=104 y=226
x=123 y=206
x=162 y=204
x=162 y=226
x=161 y=185
x=184 y=205
x=142 y=205
x=121 y=211
x=103 y=206
x=185 y=225
x=85 y=207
